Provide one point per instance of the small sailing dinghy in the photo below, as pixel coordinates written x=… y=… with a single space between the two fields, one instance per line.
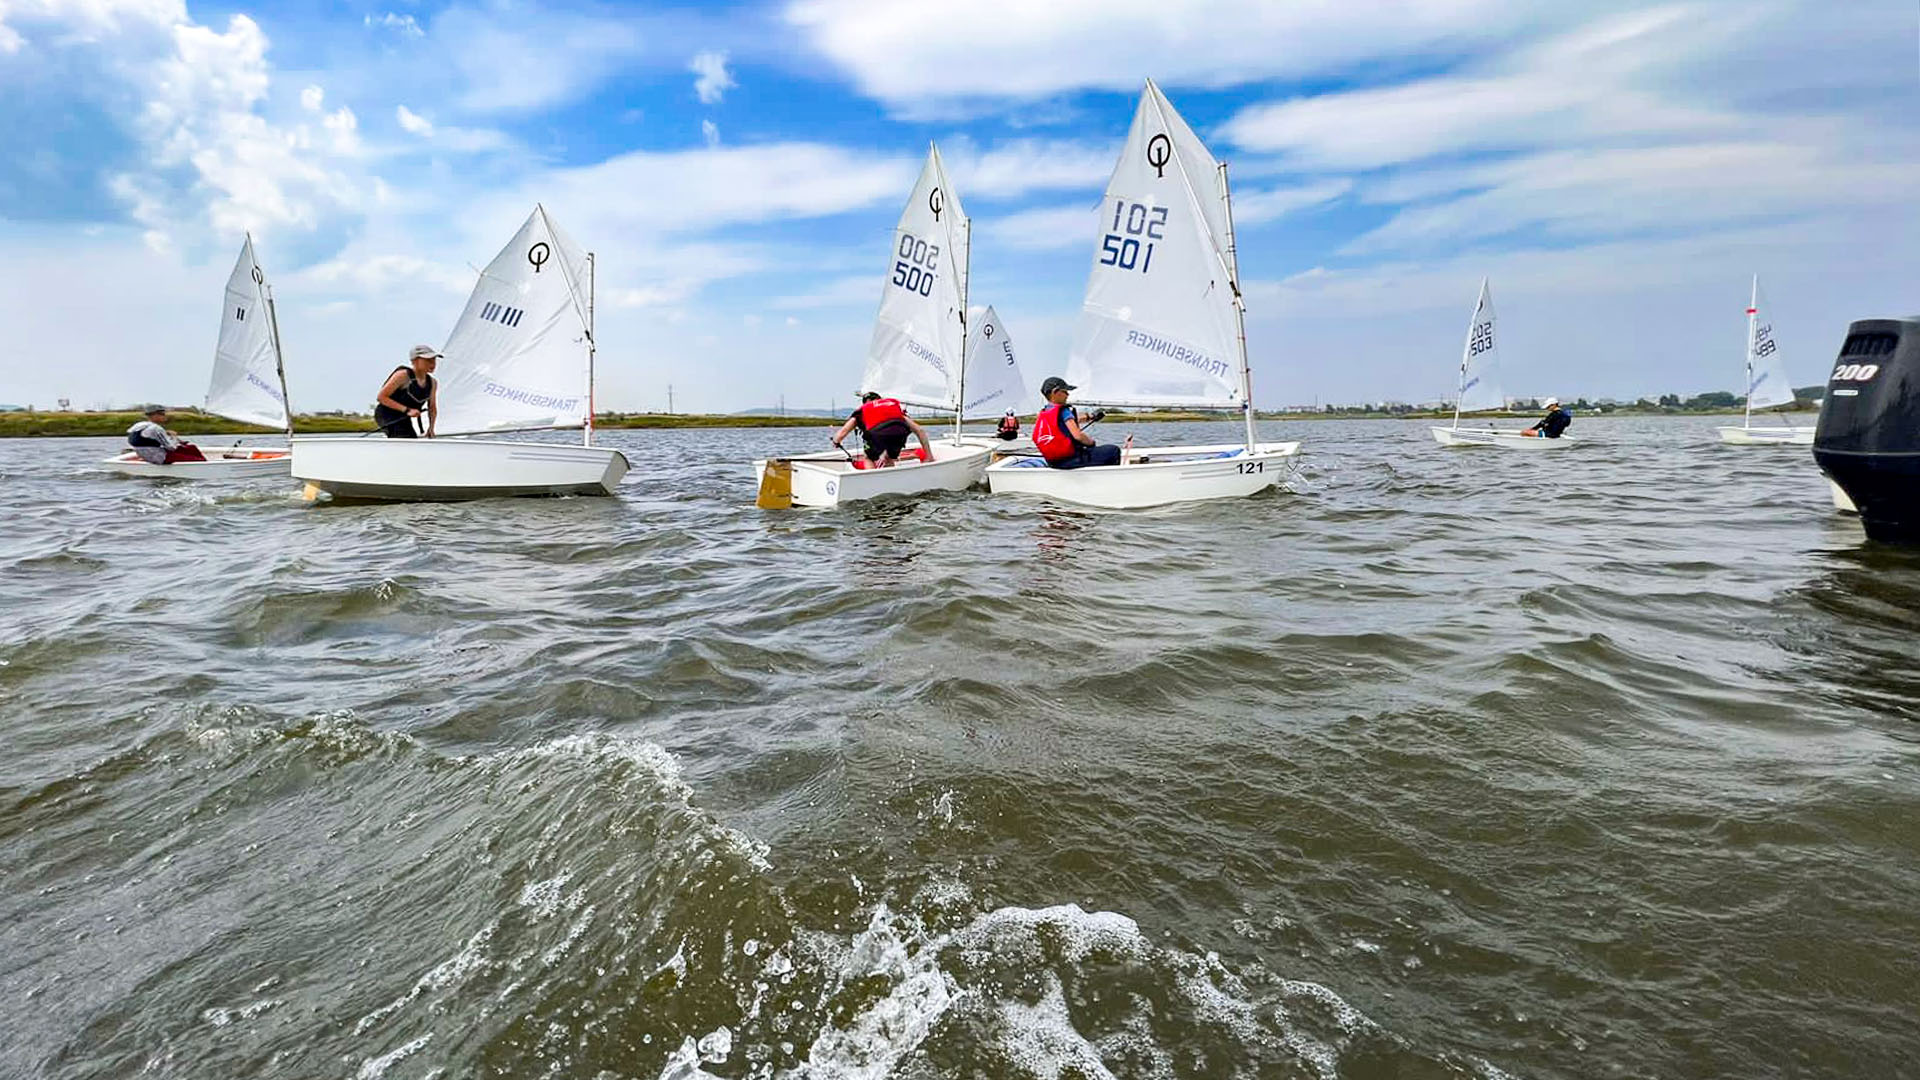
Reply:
x=249 y=384
x=994 y=381
x=1480 y=386
x=1767 y=385
x=521 y=359
x=1162 y=326
x=918 y=357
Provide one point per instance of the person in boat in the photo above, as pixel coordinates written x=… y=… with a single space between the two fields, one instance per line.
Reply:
x=156 y=445
x=1554 y=423
x=1058 y=435
x=1009 y=428
x=407 y=394
x=885 y=427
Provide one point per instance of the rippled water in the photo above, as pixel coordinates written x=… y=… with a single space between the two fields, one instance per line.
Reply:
x=1439 y=764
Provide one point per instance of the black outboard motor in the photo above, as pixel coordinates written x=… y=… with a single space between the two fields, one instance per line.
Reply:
x=1868 y=439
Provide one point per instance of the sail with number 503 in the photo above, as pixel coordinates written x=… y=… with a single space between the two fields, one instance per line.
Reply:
x=1480 y=360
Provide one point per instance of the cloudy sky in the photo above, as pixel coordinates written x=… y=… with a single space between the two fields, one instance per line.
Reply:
x=1617 y=169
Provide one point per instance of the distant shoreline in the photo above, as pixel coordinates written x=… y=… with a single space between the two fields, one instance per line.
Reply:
x=17 y=425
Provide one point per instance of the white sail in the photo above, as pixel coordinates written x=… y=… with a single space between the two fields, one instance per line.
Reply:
x=994 y=383
x=919 y=333
x=519 y=358
x=247 y=384
x=1480 y=358
x=1767 y=383
x=1159 y=325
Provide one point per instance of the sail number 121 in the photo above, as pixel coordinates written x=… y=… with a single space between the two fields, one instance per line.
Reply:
x=1135 y=227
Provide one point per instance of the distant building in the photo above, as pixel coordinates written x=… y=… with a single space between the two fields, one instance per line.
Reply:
x=13 y=408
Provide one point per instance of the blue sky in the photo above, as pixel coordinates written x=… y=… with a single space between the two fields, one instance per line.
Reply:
x=1617 y=169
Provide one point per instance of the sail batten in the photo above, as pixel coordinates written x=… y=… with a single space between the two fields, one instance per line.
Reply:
x=518 y=359
x=1159 y=323
x=246 y=384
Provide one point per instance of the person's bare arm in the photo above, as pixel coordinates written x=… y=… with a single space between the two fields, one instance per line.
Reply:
x=433 y=407
x=845 y=430
x=386 y=392
x=925 y=443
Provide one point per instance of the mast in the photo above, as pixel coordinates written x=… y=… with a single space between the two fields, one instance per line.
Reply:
x=273 y=330
x=1753 y=316
x=587 y=439
x=966 y=279
x=1239 y=309
x=1460 y=384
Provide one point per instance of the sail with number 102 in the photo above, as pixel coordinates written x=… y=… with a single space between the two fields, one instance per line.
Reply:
x=1162 y=326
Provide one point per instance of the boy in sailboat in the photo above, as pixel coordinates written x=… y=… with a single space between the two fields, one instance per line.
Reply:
x=1554 y=423
x=156 y=445
x=884 y=426
x=407 y=393
x=1009 y=428
x=1058 y=435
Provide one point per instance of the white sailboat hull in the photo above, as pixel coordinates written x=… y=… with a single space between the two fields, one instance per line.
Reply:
x=451 y=469
x=1840 y=500
x=1154 y=476
x=1767 y=436
x=1511 y=440
x=223 y=463
x=831 y=479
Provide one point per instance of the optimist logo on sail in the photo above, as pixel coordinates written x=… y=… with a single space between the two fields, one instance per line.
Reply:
x=1173 y=350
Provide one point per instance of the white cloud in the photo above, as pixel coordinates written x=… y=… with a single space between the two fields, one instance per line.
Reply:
x=710 y=133
x=1015 y=49
x=412 y=122
x=312 y=98
x=521 y=58
x=1255 y=205
x=849 y=291
x=404 y=25
x=713 y=80
x=1047 y=228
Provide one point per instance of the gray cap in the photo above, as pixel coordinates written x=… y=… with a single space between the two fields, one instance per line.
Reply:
x=424 y=352
x=151 y=409
x=1055 y=382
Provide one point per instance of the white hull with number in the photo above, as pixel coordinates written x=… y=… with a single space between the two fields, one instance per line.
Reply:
x=448 y=470
x=1152 y=476
x=1511 y=440
x=223 y=463
x=830 y=479
x=1767 y=436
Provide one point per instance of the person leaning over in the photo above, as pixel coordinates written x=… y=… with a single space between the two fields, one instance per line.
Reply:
x=156 y=445
x=1554 y=423
x=1058 y=435
x=407 y=393
x=884 y=426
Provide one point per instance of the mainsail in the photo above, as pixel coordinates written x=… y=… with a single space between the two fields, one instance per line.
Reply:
x=1767 y=383
x=1480 y=360
x=921 y=328
x=248 y=384
x=521 y=356
x=1160 y=324
x=994 y=384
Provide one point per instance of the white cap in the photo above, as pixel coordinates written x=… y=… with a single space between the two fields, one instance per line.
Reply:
x=424 y=352
x=1552 y=401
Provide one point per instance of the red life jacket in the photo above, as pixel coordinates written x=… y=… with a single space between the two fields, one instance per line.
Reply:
x=1051 y=437
x=883 y=411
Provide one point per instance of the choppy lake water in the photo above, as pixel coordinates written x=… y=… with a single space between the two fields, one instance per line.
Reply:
x=1437 y=764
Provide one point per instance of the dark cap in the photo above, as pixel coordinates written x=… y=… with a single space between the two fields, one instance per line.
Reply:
x=871 y=395
x=1055 y=382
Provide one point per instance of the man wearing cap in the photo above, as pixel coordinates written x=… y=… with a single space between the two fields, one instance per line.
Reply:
x=1551 y=425
x=407 y=393
x=884 y=426
x=1058 y=436
x=156 y=445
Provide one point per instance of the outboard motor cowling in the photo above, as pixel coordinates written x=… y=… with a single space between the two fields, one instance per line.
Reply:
x=1868 y=438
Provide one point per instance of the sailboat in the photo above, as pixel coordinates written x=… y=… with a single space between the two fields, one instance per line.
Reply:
x=1163 y=325
x=520 y=359
x=918 y=357
x=1480 y=386
x=994 y=383
x=249 y=384
x=1766 y=385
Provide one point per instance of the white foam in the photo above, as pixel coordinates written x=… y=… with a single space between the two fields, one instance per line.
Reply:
x=375 y=1068
x=454 y=969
